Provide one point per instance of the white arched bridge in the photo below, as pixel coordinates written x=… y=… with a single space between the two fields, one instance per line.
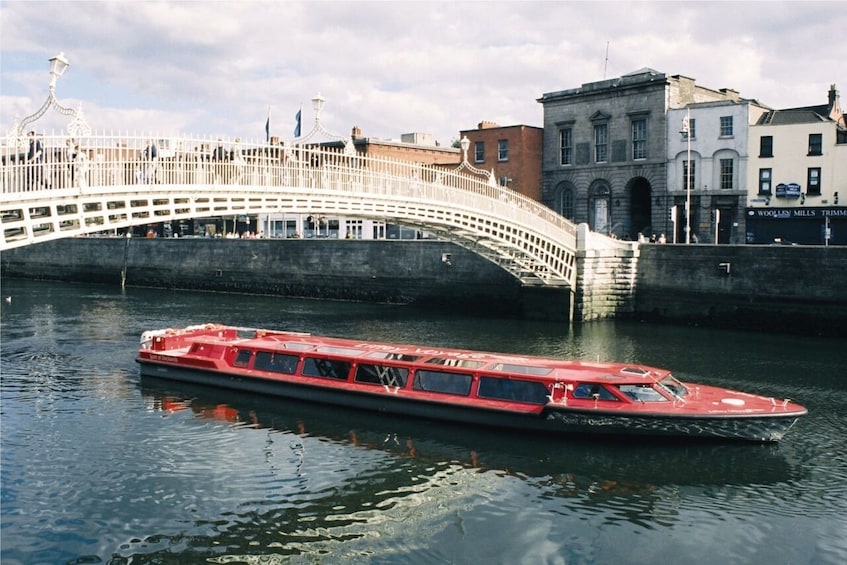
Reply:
x=109 y=183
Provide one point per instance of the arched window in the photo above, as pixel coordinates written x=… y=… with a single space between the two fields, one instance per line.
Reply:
x=567 y=203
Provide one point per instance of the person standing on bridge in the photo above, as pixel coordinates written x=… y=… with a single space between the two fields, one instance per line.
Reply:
x=151 y=158
x=34 y=160
x=220 y=157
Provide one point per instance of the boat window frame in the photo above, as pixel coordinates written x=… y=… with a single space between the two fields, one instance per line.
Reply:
x=306 y=367
x=519 y=386
x=462 y=378
x=533 y=370
x=401 y=382
x=237 y=358
x=457 y=362
x=273 y=365
x=596 y=388
x=674 y=388
x=392 y=356
x=636 y=388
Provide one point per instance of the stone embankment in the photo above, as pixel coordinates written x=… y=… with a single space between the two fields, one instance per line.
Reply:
x=794 y=289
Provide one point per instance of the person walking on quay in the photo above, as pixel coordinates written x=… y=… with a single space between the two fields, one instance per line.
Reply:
x=34 y=161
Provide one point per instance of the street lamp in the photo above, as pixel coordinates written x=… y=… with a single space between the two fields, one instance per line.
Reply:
x=77 y=125
x=58 y=65
x=686 y=129
x=466 y=143
x=317 y=105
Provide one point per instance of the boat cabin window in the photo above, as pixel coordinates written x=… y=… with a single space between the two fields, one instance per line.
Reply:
x=588 y=390
x=463 y=363
x=511 y=389
x=522 y=369
x=439 y=381
x=329 y=368
x=297 y=346
x=392 y=356
x=243 y=358
x=276 y=362
x=346 y=351
x=642 y=393
x=382 y=375
x=674 y=386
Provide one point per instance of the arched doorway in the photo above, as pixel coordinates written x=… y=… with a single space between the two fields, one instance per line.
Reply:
x=640 y=206
x=599 y=207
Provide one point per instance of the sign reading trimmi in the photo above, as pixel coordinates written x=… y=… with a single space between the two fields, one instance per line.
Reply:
x=796 y=213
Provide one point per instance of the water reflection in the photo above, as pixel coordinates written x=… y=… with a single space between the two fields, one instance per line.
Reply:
x=400 y=462
x=98 y=466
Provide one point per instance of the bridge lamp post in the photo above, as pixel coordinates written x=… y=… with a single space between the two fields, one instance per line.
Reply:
x=318 y=105
x=78 y=126
x=466 y=143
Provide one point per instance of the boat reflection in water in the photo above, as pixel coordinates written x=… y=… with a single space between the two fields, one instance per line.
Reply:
x=577 y=465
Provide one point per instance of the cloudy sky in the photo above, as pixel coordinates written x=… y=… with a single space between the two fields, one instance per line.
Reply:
x=216 y=68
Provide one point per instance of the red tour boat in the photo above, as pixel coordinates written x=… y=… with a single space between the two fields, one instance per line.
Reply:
x=495 y=389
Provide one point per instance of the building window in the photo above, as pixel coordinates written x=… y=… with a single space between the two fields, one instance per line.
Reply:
x=601 y=135
x=815 y=144
x=639 y=139
x=766 y=146
x=566 y=146
x=813 y=182
x=568 y=210
x=727 y=169
x=726 y=126
x=765 y=182
x=689 y=130
x=503 y=150
x=685 y=177
x=479 y=151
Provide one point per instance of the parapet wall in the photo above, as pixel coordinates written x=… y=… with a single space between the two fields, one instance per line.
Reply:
x=793 y=289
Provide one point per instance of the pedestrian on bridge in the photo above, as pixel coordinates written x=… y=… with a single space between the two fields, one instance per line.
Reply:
x=220 y=157
x=151 y=159
x=34 y=159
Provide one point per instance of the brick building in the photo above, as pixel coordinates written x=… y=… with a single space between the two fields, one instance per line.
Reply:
x=512 y=152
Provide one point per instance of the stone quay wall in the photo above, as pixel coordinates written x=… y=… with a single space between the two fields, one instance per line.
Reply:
x=423 y=272
x=790 y=289
x=793 y=289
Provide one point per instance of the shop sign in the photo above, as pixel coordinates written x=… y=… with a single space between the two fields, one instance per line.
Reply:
x=790 y=190
x=796 y=213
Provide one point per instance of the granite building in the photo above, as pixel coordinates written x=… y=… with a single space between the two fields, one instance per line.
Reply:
x=606 y=150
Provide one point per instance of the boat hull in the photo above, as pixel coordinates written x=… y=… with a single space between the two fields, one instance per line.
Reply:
x=555 y=418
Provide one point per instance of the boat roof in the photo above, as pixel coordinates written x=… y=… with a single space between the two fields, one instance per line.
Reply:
x=294 y=342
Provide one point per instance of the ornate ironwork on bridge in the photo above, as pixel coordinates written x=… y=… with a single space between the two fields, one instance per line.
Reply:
x=107 y=183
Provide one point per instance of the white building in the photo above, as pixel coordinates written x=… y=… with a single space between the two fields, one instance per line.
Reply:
x=797 y=177
x=717 y=142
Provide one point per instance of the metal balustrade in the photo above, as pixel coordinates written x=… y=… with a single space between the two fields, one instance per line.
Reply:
x=110 y=182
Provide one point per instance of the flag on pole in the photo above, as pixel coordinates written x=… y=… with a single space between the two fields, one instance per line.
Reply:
x=268 y=127
x=297 y=119
x=686 y=123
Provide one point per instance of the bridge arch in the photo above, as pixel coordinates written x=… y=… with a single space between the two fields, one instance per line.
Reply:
x=115 y=184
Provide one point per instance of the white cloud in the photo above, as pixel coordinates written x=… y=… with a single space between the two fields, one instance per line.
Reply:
x=393 y=67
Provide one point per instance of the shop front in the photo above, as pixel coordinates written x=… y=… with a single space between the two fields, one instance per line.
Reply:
x=797 y=225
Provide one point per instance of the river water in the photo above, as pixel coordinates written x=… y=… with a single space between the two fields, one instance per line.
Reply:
x=100 y=466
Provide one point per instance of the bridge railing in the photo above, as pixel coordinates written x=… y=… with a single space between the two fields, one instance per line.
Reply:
x=121 y=160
